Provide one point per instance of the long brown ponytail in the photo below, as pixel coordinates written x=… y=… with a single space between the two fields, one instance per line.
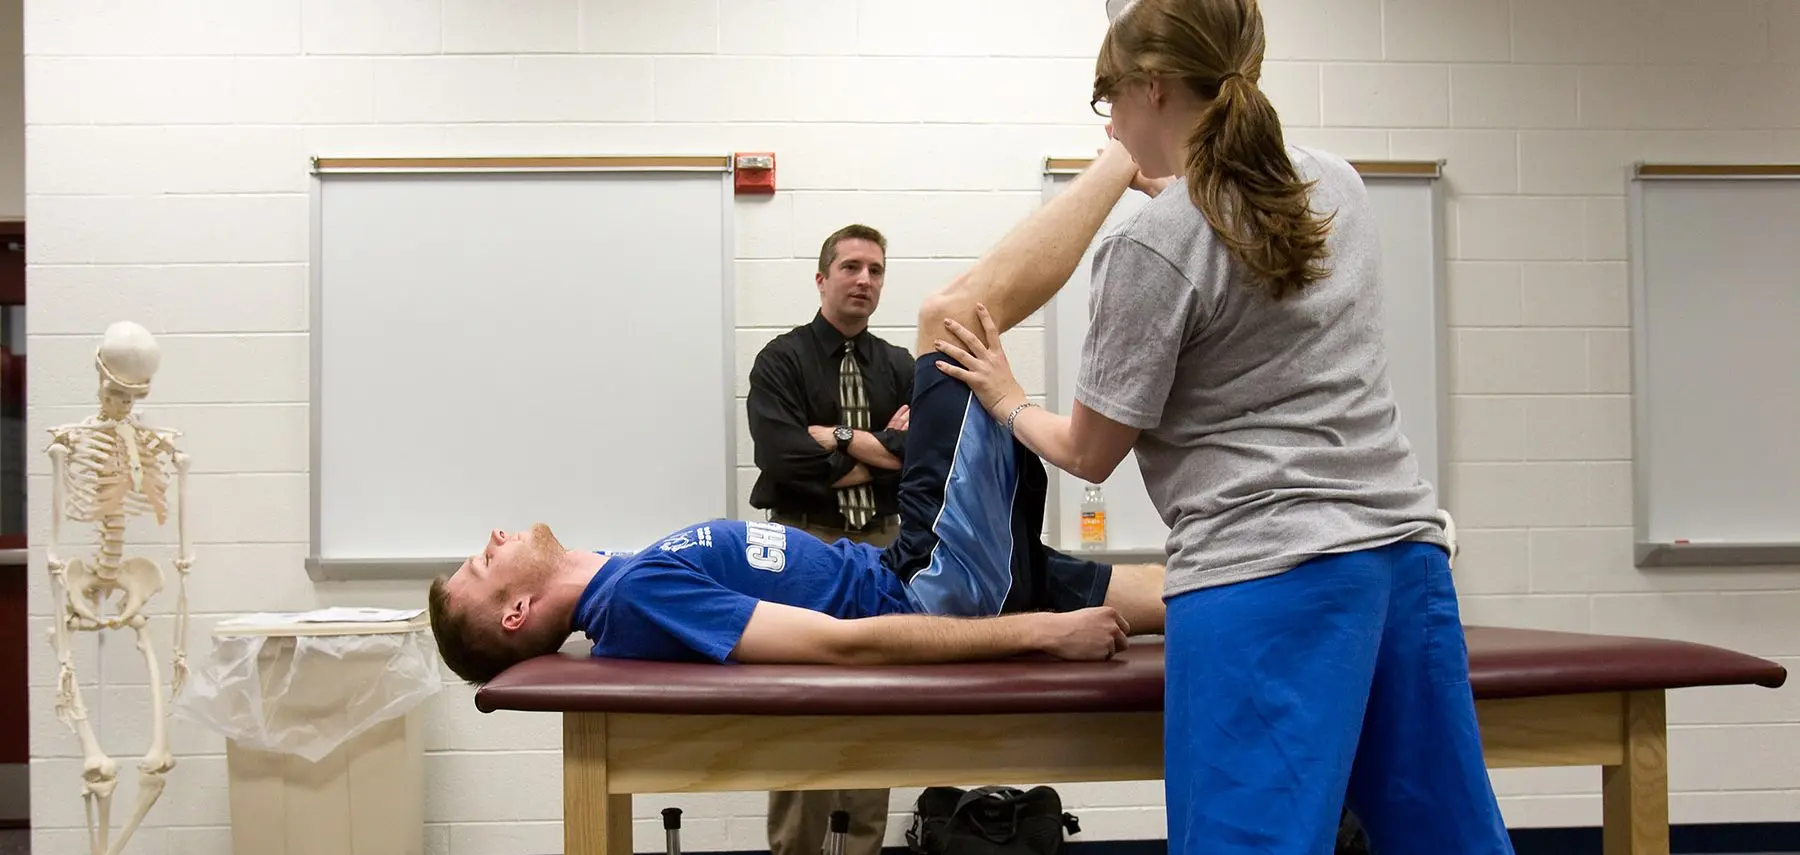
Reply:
x=1238 y=171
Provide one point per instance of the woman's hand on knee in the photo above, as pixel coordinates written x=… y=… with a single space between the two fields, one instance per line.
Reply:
x=981 y=363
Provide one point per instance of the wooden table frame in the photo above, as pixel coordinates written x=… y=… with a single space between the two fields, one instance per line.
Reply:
x=608 y=757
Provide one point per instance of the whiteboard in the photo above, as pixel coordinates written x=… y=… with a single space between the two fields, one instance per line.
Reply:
x=1409 y=207
x=497 y=343
x=1716 y=365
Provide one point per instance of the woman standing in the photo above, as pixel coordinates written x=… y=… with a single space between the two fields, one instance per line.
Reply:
x=1315 y=654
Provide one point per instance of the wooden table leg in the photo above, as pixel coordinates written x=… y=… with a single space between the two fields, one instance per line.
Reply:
x=595 y=822
x=1636 y=793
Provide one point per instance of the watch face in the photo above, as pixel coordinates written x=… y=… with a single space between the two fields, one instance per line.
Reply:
x=845 y=434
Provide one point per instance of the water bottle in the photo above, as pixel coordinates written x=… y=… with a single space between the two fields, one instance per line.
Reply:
x=1093 y=518
x=837 y=837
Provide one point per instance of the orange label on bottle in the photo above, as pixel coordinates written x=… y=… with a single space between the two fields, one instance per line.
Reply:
x=1093 y=526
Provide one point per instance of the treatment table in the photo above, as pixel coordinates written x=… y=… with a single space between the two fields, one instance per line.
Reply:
x=1544 y=698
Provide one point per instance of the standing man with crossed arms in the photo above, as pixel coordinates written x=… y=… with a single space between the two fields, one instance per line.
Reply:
x=817 y=394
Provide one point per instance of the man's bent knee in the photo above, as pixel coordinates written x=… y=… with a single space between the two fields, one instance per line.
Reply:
x=957 y=300
x=950 y=302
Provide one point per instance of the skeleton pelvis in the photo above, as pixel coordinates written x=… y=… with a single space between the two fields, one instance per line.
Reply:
x=138 y=579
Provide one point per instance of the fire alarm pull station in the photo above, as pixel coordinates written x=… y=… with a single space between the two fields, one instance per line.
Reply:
x=754 y=172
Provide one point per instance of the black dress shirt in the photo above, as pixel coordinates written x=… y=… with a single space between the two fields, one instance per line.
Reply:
x=794 y=385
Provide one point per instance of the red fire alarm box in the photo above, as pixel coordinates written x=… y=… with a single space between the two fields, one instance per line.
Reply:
x=754 y=172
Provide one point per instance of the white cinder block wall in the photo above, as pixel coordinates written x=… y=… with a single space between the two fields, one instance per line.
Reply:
x=166 y=156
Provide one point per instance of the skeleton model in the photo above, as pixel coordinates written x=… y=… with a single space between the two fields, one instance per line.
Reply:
x=105 y=470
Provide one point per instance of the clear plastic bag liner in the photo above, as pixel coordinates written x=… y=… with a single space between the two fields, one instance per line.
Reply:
x=307 y=695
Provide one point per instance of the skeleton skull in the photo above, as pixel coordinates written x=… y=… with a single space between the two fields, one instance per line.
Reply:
x=126 y=360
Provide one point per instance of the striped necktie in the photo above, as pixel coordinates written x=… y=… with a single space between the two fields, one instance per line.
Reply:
x=857 y=503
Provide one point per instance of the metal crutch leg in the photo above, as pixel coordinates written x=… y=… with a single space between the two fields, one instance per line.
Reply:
x=672 y=829
x=838 y=836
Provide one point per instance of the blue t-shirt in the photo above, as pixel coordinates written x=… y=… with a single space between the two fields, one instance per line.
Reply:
x=691 y=595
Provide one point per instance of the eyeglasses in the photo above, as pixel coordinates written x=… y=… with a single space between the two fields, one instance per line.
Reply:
x=1111 y=85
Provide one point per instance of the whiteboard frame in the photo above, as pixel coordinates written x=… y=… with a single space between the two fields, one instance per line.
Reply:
x=1430 y=171
x=1647 y=553
x=321 y=569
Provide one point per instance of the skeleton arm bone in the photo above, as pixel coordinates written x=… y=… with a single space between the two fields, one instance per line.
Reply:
x=78 y=612
x=59 y=581
x=184 y=559
x=59 y=459
x=68 y=701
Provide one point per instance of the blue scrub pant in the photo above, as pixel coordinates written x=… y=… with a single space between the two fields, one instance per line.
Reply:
x=1342 y=682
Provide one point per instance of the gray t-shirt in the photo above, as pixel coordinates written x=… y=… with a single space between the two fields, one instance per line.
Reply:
x=1269 y=432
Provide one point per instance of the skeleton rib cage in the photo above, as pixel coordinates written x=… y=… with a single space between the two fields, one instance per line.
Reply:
x=98 y=478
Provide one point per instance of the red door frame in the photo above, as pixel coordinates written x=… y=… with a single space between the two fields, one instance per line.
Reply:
x=15 y=706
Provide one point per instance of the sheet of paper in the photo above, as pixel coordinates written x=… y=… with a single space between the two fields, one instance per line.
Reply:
x=334 y=614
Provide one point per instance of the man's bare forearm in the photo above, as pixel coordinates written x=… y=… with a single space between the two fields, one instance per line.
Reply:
x=926 y=639
x=860 y=474
x=866 y=448
x=783 y=633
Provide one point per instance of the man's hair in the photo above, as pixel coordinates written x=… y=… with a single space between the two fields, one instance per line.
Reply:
x=1239 y=174
x=474 y=650
x=854 y=231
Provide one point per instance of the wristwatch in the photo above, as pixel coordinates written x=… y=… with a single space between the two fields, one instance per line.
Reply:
x=843 y=435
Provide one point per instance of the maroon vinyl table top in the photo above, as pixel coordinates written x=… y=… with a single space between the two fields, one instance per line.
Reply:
x=1504 y=663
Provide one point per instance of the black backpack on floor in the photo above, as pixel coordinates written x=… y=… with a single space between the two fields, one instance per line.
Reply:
x=989 y=821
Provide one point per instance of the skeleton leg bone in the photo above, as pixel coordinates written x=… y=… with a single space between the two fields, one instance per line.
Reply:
x=99 y=773
x=99 y=827
x=150 y=788
x=157 y=761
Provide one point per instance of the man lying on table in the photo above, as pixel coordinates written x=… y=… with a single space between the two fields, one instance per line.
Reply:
x=967 y=578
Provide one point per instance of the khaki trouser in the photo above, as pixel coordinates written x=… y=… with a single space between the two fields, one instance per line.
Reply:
x=797 y=820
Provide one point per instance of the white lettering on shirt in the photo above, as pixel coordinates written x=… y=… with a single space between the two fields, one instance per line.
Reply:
x=765 y=546
x=700 y=537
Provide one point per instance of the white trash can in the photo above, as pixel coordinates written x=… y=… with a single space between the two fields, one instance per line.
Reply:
x=324 y=746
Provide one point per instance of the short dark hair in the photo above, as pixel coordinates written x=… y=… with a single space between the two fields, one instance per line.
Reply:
x=854 y=231
x=475 y=653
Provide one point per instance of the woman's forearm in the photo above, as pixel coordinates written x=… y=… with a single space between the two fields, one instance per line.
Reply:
x=1049 y=436
x=1084 y=444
